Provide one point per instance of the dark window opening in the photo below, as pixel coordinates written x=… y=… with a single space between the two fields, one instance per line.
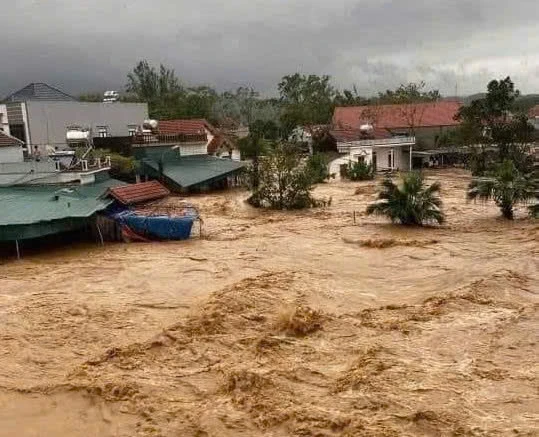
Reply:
x=17 y=131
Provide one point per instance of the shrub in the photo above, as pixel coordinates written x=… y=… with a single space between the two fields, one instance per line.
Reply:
x=411 y=203
x=359 y=171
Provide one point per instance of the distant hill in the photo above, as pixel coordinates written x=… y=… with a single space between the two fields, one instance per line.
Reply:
x=524 y=103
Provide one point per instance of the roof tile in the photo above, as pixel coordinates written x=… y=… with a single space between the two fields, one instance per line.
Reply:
x=186 y=127
x=9 y=141
x=39 y=91
x=138 y=193
x=396 y=116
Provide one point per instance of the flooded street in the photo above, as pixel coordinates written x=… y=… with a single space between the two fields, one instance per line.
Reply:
x=419 y=331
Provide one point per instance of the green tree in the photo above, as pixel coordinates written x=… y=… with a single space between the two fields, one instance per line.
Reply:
x=91 y=97
x=198 y=102
x=318 y=166
x=413 y=92
x=490 y=124
x=410 y=203
x=285 y=180
x=306 y=100
x=350 y=98
x=506 y=186
x=255 y=145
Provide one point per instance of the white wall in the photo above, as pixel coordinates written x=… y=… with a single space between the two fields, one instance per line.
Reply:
x=11 y=154
x=4 y=124
x=193 y=149
x=48 y=121
x=401 y=159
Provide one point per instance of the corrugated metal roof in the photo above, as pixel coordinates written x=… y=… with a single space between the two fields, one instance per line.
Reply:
x=194 y=170
x=9 y=141
x=137 y=193
x=397 y=116
x=29 y=204
x=39 y=91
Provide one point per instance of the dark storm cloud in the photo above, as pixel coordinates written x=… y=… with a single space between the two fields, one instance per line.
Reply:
x=90 y=45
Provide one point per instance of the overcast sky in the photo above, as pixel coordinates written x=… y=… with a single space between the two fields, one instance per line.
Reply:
x=85 y=45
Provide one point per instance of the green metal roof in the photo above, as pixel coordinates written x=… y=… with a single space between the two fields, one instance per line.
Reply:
x=29 y=205
x=188 y=171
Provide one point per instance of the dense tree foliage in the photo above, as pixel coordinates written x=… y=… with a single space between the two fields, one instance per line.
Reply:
x=494 y=132
x=413 y=92
x=410 y=203
x=285 y=181
x=506 y=186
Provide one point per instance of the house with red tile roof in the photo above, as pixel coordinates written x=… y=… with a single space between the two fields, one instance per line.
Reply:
x=216 y=143
x=386 y=135
x=425 y=121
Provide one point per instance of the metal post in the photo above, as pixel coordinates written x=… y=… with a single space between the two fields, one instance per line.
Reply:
x=411 y=151
x=100 y=234
x=18 y=250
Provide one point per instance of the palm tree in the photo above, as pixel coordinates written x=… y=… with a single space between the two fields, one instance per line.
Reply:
x=411 y=203
x=506 y=186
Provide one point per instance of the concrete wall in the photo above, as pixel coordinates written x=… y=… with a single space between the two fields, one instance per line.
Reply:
x=401 y=158
x=48 y=121
x=4 y=123
x=425 y=136
x=11 y=154
x=26 y=172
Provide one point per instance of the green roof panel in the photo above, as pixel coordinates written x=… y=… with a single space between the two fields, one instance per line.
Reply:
x=189 y=171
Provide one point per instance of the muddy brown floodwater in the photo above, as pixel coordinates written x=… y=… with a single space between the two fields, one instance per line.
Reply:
x=280 y=324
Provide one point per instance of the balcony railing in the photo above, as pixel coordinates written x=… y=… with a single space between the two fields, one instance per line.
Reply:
x=168 y=138
x=385 y=142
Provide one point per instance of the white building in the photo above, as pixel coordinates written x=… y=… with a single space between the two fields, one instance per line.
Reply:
x=41 y=116
x=377 y=148
x=11 y=149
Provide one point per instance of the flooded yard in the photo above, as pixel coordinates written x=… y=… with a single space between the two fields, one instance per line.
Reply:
x=315 y=323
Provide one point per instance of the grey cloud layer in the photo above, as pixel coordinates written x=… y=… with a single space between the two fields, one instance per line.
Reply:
x=87 y=45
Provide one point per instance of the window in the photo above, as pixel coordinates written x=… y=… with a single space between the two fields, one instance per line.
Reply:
x=389 y=159
x=132 y=129
x=102 y=131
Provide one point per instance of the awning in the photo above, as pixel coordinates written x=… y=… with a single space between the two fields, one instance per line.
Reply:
x=189 y=171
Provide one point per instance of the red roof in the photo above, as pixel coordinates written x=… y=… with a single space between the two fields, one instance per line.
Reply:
x=186 y=127
x=534 y=112
x=137 y=193
x=347 y=135
x=397 y=116
x=9 y=141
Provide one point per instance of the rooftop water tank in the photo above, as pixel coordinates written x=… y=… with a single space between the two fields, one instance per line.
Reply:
x=152 y=124
x=366 y=128
x=77 y=135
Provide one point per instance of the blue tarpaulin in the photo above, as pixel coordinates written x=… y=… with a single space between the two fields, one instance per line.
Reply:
x=158 y=227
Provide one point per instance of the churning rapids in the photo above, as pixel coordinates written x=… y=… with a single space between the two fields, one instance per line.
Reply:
x=281 y=323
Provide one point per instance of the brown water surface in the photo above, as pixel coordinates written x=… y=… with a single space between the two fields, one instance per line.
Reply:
x=413 y=331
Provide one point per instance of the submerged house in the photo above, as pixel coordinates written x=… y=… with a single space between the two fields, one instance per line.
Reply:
x=387 y=135
x=185 y=156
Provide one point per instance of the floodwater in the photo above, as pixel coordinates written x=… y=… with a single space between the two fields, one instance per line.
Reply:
x=308 y=323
